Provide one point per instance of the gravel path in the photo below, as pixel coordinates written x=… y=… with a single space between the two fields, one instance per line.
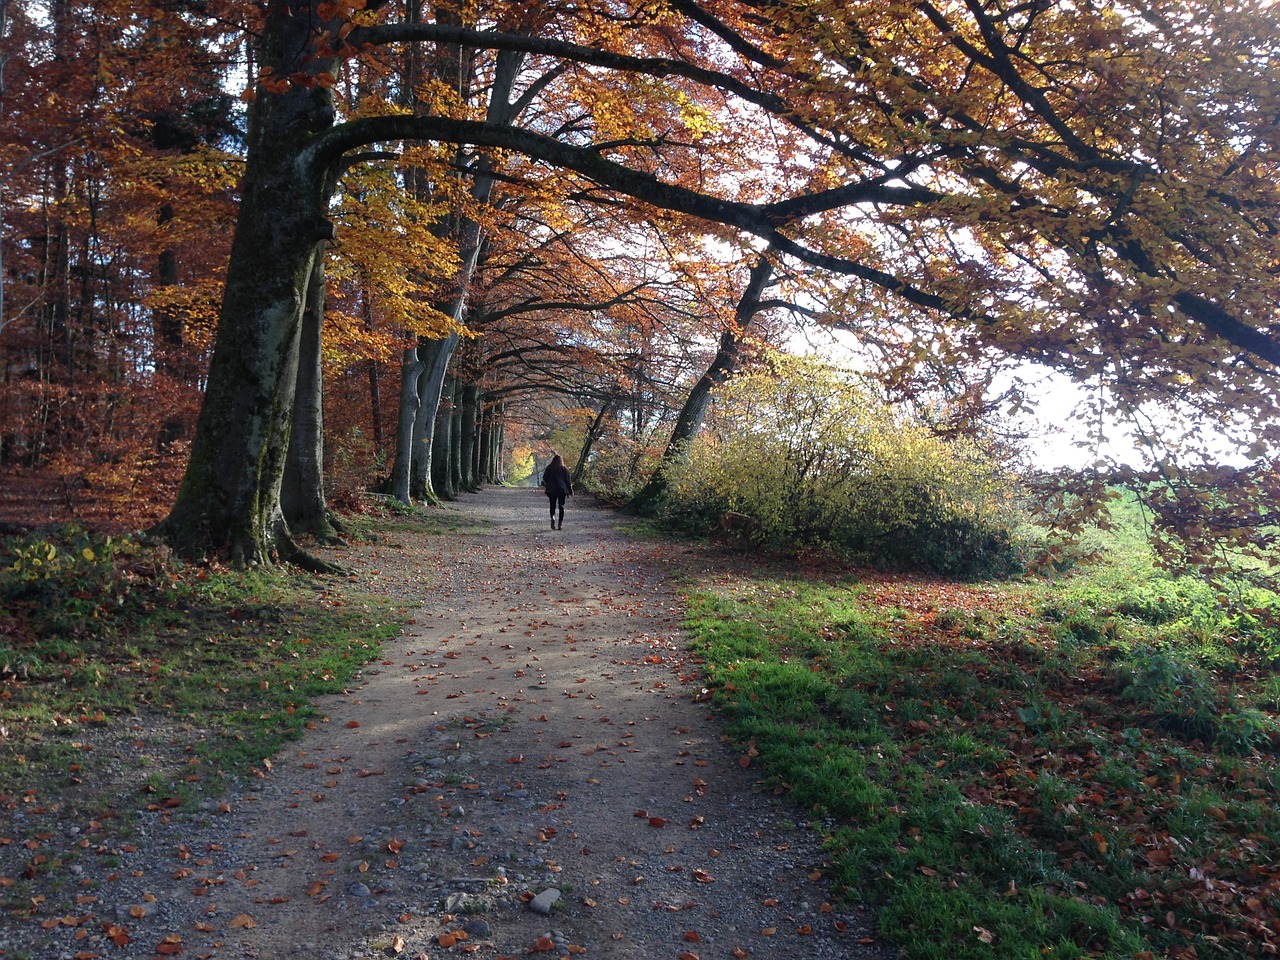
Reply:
x=525 y=771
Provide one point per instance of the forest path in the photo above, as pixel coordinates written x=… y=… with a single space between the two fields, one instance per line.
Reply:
x=533 y=727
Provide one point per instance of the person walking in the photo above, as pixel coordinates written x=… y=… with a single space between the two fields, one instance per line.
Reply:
x=558 y=484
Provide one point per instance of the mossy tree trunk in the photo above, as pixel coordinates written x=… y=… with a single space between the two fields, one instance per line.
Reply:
x=229 y=500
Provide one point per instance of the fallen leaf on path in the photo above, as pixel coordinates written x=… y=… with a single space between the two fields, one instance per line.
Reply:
x=243 y=921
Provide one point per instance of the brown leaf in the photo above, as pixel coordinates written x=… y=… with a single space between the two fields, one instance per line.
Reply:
x=243 y=921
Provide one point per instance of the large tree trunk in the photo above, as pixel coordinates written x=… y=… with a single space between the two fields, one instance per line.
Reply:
x=412 y=372
x=455 y=438
x=468 y=460
x=442 y=445
x=229 y=500
x=302 y=494
x=694 y=411
x=484 y=444
x=435 y=355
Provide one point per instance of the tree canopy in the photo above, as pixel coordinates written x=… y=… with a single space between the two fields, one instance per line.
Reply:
x=1090 y=186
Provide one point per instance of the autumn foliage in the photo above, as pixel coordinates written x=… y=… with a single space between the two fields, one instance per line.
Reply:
x=811 y=457
x=575 y=192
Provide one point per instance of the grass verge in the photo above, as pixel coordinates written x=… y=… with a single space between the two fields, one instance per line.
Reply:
x=1081 y=768
x=124 y=672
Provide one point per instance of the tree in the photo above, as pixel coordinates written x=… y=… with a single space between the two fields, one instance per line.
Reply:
x=1015 y=173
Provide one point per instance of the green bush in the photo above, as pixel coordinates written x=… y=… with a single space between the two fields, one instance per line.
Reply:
x=815 y=459
x=68 y=581
x=617 y=470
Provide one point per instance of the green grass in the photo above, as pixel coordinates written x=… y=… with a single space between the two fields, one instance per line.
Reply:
x=197 y=673
x=1028 y=769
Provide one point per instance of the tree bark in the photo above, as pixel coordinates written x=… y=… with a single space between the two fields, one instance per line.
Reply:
x=468 y=459
x=456 y=472
x=435 y=355
x=412 y=371
x=302 y=493
x=229 y=500
x=442 y=444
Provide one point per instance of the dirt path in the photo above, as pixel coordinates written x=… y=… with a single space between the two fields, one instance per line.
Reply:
x=533 y=728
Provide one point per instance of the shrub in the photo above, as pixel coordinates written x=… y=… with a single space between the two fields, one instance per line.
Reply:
x=618 y=469
x=68 y=581
x=817 y=460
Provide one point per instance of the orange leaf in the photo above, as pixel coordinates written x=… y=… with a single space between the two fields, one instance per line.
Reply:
x=657 y=822
x=693 y=936
x=446 y=940
x=243 y=921
x=353 y=724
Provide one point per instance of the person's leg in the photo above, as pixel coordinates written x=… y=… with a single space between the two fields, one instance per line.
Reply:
x=560 y=504
x=552 y=502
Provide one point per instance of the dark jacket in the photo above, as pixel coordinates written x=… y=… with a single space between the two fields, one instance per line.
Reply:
x=557 y=480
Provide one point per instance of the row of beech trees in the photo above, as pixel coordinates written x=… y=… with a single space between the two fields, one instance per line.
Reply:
x=429 y=213
x=117 y=210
